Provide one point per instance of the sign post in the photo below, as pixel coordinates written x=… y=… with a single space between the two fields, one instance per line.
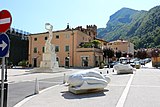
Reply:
x=4 y=49
x=5 y=22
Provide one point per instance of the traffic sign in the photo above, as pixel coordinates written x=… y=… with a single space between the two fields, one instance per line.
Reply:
x=5 y=20
x=4 y=45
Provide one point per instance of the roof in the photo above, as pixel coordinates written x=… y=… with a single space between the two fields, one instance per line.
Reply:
x=102 y=40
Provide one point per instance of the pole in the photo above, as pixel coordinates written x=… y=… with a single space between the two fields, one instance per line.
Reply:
x=2 y=81
x=6 y=71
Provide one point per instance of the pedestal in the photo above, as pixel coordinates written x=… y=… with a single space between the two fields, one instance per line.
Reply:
x=49 y=61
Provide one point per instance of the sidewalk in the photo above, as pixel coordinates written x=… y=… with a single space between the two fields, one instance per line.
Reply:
x=58 y=96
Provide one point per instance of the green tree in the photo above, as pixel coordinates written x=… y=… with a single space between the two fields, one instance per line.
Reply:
x=118 y=54
x=108 y=53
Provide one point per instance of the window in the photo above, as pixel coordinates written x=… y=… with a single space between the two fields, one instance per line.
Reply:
x=35 y=39
x=35 y=50
x=56 y=48
x=57 y=36
x=46 y=38
x=66 y=48
x=67 y=36
x=43 y=49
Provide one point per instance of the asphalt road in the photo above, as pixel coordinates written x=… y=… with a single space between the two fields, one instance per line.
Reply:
x=21 y=90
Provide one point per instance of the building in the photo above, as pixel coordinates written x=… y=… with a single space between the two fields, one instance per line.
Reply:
x=18 y=46
x=74 y=47
x=122 y=45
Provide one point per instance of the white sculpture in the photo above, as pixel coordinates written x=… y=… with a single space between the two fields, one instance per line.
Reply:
x=49 y=57
x=48 y=46
x=87 y=80
x=123 y=68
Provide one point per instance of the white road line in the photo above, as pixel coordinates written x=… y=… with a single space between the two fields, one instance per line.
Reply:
x=147 y=86
x=5 y=20
x=125 y=93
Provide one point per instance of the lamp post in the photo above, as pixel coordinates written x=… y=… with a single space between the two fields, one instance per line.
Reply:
x=72 y=47
x=68 y=60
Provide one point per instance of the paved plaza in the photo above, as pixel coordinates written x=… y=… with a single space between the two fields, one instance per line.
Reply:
x=140 y=89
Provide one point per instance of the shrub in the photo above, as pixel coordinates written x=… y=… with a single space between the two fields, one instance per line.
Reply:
x=23 y=63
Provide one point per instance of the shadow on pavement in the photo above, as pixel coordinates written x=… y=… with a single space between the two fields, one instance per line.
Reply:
x=69 y=95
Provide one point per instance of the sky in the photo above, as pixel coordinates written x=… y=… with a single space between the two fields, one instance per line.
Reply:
x=31 y=15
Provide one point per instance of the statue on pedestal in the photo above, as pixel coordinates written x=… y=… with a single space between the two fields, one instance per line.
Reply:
x=49 y=57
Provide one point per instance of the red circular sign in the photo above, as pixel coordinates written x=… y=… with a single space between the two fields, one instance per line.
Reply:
x=5 y=20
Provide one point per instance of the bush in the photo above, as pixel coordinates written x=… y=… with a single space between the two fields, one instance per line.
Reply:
x=23 y=63
x=101 y=65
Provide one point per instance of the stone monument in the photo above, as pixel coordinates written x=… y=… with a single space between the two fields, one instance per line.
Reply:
x=49 y=56
x=87 y=81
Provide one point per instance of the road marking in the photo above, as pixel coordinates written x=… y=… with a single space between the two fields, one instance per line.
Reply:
x=5 y=21
x=147 y=86
x=125 y=93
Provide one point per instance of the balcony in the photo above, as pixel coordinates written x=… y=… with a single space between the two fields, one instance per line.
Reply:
x=81 y=49
x=89 y=47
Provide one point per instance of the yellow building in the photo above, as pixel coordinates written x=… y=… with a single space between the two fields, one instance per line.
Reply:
x=122 y=45
x=72 y=46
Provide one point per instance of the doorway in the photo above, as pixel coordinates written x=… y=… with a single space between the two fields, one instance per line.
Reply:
x=67 y=62
x=35 y=62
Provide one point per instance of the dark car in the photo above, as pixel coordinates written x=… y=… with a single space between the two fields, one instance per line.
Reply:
x=111 y=64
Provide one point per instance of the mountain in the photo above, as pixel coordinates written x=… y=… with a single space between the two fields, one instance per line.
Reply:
x=141 y=27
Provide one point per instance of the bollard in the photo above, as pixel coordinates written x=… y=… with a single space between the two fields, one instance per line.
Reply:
x=64 y=79
x=107 y=72
x=36 y=87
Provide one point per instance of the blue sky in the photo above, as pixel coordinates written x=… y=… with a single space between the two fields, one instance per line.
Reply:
x=31 y=15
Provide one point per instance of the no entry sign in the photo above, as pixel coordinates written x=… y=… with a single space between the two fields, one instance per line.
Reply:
x=5 y=20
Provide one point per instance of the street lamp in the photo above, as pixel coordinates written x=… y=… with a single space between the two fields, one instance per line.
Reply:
x=68 y=60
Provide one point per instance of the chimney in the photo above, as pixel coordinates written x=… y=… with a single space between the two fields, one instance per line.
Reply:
x=67 y=26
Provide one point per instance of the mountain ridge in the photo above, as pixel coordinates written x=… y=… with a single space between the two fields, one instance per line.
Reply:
x=135 y=25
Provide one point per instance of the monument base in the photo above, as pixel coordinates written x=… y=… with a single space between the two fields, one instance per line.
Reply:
x=49 y=61
x=49 y=64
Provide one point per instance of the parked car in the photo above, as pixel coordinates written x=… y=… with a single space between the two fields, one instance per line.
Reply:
x=137 y=64
x=111 y=64
x=132 y=64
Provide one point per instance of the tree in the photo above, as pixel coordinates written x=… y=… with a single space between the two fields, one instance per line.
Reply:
x=108 y=53
x=142 y=54
x=155 y=52
x=118 y=54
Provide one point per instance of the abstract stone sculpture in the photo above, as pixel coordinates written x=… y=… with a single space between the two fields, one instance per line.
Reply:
x=123 y=68
x=84 y=81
